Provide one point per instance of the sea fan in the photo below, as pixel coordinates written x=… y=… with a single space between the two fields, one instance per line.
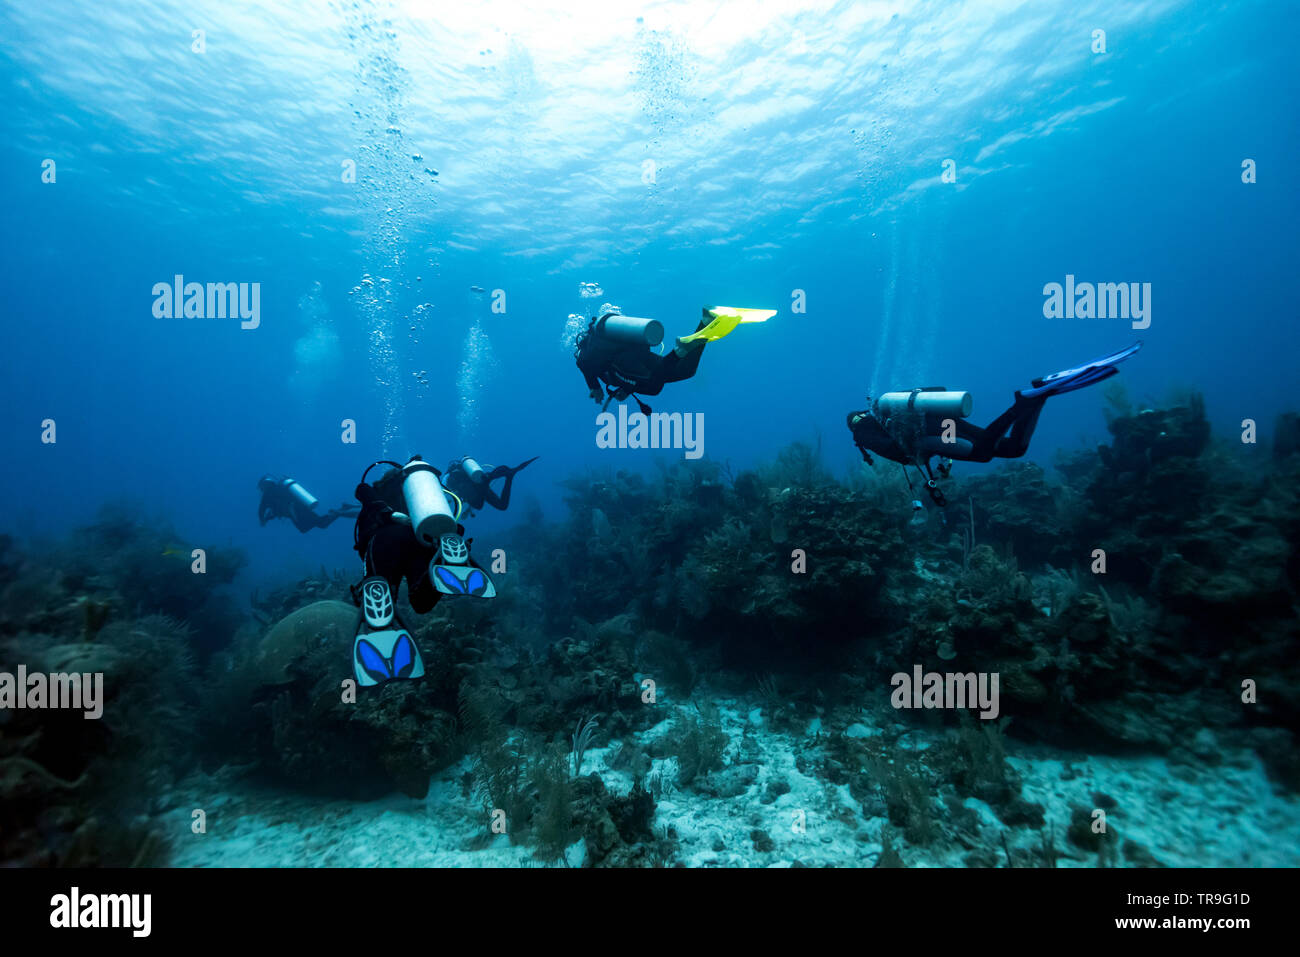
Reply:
x=582 y=740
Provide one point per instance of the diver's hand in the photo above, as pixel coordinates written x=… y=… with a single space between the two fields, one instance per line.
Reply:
x=597 y=393
x=401 y=518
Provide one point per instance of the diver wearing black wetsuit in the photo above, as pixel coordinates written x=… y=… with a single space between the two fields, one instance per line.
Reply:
x=472 y=483
x=402 y=515
x=910 y=436
x=285 y=498
x=915 y=439
x=622 y=370
x=388 y=546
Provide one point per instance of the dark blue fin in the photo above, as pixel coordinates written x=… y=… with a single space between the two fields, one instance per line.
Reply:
x=1080 y=377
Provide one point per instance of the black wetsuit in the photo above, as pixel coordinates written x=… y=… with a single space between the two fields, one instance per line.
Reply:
x=477 y=494
x=279 y=502
x=622 y=370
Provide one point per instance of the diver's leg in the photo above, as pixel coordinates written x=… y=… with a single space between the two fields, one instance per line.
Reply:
x=419 y=588
x=385 y=555
x=678 y=366
x=414 y=561
x=343 y=511
x=1007 y=436
x=1022 y=429
x=674 y=367
x=492 y=498
x=982 y=441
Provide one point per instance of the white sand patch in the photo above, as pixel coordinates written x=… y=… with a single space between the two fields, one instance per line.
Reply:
x=1226 y=815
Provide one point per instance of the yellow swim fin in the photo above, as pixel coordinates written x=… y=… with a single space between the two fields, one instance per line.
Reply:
x=721 y=320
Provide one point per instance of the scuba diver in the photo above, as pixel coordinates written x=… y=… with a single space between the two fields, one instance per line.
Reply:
x=616 y=353
x=913 y=427
x=472 y=483
x=285 y=498
x=406 y=528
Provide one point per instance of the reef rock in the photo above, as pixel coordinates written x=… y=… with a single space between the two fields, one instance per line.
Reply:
x=317 y=625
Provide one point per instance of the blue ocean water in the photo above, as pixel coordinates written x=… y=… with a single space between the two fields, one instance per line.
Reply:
x=432 y=199
x=793 y=148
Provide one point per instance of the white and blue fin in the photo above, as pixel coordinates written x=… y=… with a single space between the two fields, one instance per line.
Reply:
x=463 y=580
x=379 y=656
x=380 y=651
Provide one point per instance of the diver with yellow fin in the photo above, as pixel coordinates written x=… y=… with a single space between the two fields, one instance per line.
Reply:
x=616 y=353
x=407 y=528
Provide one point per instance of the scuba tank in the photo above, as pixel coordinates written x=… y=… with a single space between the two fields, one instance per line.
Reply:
x=632 y=331
x=955 y=405
x=300 y=494
x=473 y=470
x=426 y=502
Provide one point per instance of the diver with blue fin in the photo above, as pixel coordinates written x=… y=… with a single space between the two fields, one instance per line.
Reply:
x=472 y=483
x=616 y=353
x=406 y=528
x=282 y=497
x=913 y=427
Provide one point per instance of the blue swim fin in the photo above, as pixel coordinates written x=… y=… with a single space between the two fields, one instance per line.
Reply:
x=462 y=580
x=382 y=649
x=379 y=656
x=1080 y=377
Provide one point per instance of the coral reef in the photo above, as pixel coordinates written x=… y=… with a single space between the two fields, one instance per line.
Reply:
x=1141 y=600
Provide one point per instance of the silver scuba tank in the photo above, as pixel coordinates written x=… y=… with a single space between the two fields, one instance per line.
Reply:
x=473 y=470
x=633 y=331
x=304 y=497
x=951 y=404
x=426 y=503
